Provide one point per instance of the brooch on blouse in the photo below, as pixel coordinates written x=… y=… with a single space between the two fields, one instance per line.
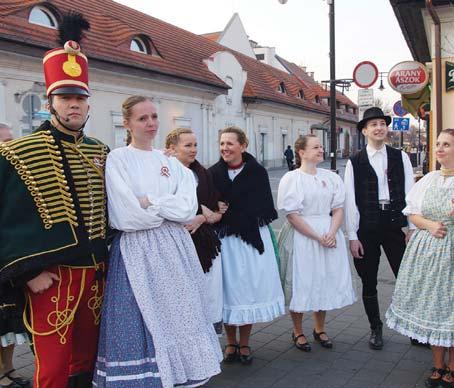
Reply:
x=165 y=171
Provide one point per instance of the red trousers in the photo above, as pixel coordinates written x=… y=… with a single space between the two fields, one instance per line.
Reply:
x=64 y=321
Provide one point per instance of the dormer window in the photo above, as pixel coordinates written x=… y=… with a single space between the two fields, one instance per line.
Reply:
x=300 y=94
x=43 y=16
x=139 y=45
x=281 y=88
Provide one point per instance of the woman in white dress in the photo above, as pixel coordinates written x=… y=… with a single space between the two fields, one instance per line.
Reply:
x=155 y=329
x=252 y=289
x=313 y=200
x=183 y=143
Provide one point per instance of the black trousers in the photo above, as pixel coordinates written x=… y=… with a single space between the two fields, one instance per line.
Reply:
x=392 y=239
x=289 y=164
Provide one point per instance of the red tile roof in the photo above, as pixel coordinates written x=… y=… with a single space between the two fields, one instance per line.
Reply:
x=214 y=36
x=181 y=53
x=312 y=84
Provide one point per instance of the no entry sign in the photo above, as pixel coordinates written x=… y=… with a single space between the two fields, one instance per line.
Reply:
x=365 y=74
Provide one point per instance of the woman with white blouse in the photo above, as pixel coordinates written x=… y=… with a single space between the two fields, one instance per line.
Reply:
x=155 y=330
x=423 y=302
x=252 y=290
x=321 y=280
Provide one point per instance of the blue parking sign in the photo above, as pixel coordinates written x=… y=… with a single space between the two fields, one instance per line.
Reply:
x=401 y=124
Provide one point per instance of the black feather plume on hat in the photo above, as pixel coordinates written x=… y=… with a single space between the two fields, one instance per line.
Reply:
x=72 y=27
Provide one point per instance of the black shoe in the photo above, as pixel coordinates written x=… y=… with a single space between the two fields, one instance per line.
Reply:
x=306 y=347
x=447 y=384
x=376 y=338
x=415 y=342
x=230 y=357
x=245 y=359
x=18 y=380
x=325 y=343
x=434 y=379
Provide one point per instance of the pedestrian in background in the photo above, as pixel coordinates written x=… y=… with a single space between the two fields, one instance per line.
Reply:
x=155 y=329
x=377 y=178
x=313 y=200
x=423 y=302
x=12 y=329
x=252 y=290
x=289 y=157
x=183 y=143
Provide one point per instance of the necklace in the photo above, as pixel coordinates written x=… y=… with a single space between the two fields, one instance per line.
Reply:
x=447 y=171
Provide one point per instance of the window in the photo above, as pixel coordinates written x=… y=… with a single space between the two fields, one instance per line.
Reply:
x=300 y=94
x=139 y=45
x=229 y=82
x=120 y=136
x=317 y=99
x=260 y=57
x=43 y=16
x=281 y=88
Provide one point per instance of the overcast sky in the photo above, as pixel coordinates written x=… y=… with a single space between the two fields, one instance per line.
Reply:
x=365 y=30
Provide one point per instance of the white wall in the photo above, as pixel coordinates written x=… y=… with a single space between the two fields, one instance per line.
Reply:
x=177 y=105
x=270 y=57
x=235 y=37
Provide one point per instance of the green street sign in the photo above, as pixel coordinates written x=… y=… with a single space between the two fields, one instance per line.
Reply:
x=449 y=76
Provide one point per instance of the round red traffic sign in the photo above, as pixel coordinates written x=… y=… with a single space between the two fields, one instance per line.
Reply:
x=365 y=74
x=408 y=77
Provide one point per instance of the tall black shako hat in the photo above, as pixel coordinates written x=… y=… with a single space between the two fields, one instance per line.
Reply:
x=66 y=68
x=370 y=114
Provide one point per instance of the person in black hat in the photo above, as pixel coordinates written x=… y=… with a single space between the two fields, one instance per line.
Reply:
x=377 y=179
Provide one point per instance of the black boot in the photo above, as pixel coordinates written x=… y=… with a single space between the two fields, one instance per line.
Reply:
x=376 y=338
x=72 y=382
x=82 y=380
x=85 y=380
x=376 y=325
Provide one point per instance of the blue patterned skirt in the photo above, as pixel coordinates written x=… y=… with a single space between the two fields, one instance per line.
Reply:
x=126 y=352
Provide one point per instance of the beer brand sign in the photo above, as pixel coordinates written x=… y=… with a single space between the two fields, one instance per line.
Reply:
x=408 y=77
x=449 y=76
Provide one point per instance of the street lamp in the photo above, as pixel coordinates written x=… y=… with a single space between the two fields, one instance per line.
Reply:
x=382 y=87
x=332 y=82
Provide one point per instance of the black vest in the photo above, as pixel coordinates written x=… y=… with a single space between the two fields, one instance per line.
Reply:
x=366 y=189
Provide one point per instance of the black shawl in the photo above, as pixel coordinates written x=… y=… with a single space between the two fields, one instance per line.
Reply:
x=249 y=198
x=207 y=243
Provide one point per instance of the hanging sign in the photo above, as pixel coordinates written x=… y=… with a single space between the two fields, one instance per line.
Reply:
x=449 y=76
x=408 y=77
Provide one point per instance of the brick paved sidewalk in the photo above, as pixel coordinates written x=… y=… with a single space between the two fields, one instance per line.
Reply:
x=278 y=364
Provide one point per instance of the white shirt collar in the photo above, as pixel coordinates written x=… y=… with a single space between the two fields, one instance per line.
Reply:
x=371 y=152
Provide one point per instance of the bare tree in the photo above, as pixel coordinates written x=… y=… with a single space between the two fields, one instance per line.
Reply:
x=384 y=106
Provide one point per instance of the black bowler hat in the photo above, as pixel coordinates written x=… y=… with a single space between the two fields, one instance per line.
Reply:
x=370 y=114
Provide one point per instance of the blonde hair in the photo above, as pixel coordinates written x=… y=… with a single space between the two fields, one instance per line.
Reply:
x=173 y=137
x=242 y=138
x=301 y=144
x=449 y=131
x=126 y=110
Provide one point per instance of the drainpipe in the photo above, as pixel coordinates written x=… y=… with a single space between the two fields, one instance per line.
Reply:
x=438 y=102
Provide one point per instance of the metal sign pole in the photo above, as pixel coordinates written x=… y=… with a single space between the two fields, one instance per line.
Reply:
x=332 y=85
